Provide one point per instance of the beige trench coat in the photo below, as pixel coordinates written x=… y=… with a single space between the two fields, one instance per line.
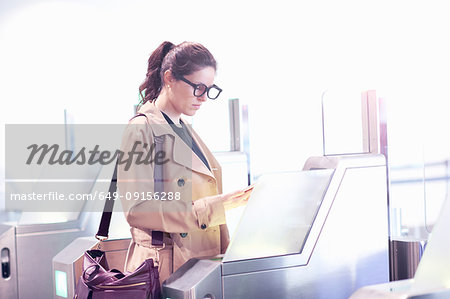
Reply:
x=192 y=216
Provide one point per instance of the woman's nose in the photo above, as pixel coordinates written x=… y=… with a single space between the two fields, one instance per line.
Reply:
x=202 y=98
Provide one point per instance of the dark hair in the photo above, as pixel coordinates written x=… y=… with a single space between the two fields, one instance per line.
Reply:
x=181 y=60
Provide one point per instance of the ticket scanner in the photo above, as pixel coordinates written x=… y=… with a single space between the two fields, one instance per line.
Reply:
x=317 y=233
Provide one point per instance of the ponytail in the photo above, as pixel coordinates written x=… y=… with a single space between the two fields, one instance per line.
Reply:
x=181 y=60
x=150 y=89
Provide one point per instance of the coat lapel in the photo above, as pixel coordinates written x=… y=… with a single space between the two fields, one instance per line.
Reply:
x=182 y=154
x=216 y=171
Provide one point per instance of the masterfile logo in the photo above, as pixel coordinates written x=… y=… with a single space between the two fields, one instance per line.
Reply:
x=69 y=168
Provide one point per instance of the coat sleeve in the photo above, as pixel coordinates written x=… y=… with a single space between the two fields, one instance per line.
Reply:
x=136 y=186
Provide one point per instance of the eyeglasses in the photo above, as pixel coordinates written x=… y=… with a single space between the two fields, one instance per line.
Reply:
x=212 y=92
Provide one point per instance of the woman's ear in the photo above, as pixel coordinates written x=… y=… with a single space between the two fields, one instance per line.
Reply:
x=168 y=77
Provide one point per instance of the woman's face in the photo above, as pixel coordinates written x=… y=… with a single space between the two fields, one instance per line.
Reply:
x=182 y=94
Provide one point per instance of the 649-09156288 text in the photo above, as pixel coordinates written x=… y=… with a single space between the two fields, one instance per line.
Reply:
x=57 y=196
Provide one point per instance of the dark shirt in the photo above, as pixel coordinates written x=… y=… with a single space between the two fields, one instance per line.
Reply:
x=187 y=138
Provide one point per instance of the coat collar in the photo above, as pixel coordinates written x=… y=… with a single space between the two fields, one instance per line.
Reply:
x=160 y=127
x=156 y=119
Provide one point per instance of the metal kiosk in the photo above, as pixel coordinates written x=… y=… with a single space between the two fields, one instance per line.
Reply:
x=317 y=233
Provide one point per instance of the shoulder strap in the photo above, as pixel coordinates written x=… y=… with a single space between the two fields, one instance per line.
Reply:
x=158 y=175
x=103 y=229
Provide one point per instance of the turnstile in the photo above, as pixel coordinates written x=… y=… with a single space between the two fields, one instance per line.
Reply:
x=68 y=264
x=317 y=233
x=30 y=240
x=27 y=252
x=8 y=279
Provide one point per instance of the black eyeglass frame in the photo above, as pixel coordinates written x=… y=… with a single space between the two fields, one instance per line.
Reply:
x=196 y=87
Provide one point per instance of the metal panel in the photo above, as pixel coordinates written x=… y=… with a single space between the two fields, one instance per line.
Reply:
x=352 y=250
x=341 y=164
x=399 y=289
x=37 y=244
x=35 y=252
x=67 y=261
x=70 y=259
x=406 y=254
x=8 y=283
x=197 y=278
x=235 y=130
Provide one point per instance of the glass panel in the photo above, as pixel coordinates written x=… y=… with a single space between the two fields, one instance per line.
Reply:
x=417 y=193
x=342 y=121
x=406 y=197
x=279 y=214
x=418 y=166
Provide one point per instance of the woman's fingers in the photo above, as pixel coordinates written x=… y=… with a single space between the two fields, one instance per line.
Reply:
x=231 y=195
x=244 y=192
x=236 y=198
x=242 y=196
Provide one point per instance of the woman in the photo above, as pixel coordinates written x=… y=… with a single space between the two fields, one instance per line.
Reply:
x=190 y=221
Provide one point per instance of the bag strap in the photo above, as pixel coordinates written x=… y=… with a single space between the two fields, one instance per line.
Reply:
x=158 y=175
x=103 y=229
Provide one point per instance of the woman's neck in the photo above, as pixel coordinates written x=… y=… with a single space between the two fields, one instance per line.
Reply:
x=162 y=103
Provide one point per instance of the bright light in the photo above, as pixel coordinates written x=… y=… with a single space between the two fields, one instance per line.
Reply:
x=61 y=283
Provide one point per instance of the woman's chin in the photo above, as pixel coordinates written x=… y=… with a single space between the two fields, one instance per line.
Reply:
x=190 y=112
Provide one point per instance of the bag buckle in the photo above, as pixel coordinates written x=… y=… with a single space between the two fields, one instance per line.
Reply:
x=159 y=248
x=101 y=239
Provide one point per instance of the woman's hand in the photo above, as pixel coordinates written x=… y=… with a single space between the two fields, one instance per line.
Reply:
x=237 y=198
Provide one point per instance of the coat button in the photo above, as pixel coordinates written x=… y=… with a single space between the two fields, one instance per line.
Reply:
x=203 y=226
x=180 y=182
x=183 y=235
